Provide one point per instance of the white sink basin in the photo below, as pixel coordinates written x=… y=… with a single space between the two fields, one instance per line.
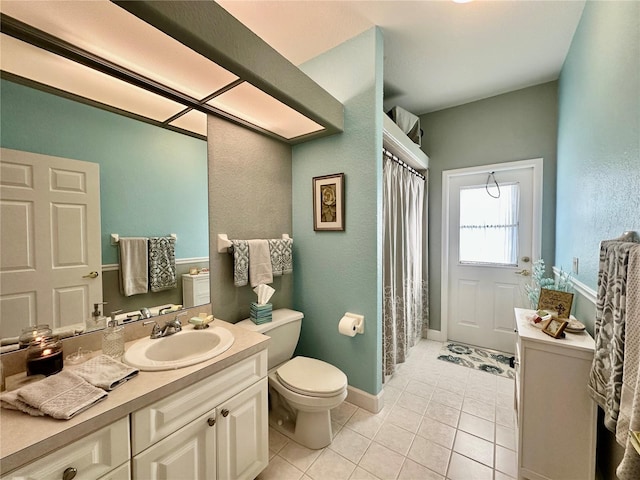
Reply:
x=181 y=349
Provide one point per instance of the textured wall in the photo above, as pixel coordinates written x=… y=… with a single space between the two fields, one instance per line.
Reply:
x=599 y=135
x=249 y=197
x=515 y=126
x=152 y=180
x=341 y=271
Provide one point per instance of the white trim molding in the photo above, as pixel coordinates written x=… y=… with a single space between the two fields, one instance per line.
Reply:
x=587 y=292
x=362 y=399
x=108 y=267
x=436 y=335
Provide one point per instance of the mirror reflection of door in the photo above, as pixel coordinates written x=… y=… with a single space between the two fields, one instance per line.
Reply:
x=50 y=266
x=491 y=241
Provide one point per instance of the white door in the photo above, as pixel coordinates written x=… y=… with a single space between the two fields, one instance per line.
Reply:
x=491 y=245
x=50 y=237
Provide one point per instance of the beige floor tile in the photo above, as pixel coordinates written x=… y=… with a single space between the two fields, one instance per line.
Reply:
x=413 y=402
x=365 y=423
x=506 y=437
x=299 y=456
x=391 y=394
x=343 y=413
x=437 y=432
x=430 y=455
x=474 y=448
x=502 y=476
x=405 y=418
x=280 y=469
x=398 y=381
x=463 y=468
x=382 y=462
x=504 y=417
x=350 y=444
x=414 y=471
x=361 y=474
x=481 y=394
x=476 y=426
x=447 y=398
x=395 y=438
x=420 y=388
x=443 y=414
x=331 y=465
x=452 y=385
x=479 y=409
x=276 y=440
x=506 y=461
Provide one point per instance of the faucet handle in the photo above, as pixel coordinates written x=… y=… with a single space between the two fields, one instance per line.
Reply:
x=156 y=331
x=177 y=319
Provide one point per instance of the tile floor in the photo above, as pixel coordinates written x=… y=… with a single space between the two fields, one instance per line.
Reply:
x=439 y=421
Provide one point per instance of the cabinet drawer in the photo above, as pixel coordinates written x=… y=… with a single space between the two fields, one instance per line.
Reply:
x=93 y=456
x=123 y=472
x=157 y=421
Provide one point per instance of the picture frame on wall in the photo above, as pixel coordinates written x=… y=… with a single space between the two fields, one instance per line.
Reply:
x=556 y=301
x=328 y=202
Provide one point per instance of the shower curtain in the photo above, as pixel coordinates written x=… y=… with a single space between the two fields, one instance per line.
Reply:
x=405 y=310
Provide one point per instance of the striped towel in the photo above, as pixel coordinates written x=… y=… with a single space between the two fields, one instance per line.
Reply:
x=162 y=263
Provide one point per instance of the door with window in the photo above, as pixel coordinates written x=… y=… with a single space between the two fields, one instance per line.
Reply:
x=492 y=237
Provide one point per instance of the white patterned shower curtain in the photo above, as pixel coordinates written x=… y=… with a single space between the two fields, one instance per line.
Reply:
x=405 y=310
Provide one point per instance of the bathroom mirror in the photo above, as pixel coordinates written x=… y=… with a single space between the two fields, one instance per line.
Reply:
x=153 y=181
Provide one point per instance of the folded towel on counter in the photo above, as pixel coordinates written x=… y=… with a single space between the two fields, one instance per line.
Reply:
x=104 y=372
x=61 y=396
x=281 y=258
x=134 y=265
x=162 y=263
x=240 y=262
x=11 y=401
x=260 y=270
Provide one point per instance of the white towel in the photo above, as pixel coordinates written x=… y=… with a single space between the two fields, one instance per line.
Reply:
x=260 y=270
x=134 y=265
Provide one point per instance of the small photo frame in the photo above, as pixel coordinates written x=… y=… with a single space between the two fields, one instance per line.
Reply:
x=193 y=271
x=328 y=202
x=554 y=327
x=555 y=301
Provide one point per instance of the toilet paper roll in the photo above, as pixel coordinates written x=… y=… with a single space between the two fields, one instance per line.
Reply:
x=348 y=326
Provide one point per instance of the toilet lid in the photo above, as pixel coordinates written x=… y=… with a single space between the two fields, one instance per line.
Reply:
x=312 y=377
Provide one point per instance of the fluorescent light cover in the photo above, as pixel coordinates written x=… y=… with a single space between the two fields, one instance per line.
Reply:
x=30 y=62
x=104 y=29
x=253 y=105
x=194 y=121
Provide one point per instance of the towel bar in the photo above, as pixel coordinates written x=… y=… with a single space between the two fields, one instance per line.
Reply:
x=115 y=238
x=224 y=243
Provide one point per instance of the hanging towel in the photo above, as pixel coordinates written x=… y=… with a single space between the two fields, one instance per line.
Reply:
x=259 y=262
x=281 y=258
x=240 y=262
x=62 y=396
x=629 y=417
x=162 y=263
x=605 y=381
x=134 y=266
x=105 y=372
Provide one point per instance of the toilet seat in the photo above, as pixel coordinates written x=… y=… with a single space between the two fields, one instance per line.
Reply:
x=311 y=377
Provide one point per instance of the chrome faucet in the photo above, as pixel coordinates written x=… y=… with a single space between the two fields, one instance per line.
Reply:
x=170 y=327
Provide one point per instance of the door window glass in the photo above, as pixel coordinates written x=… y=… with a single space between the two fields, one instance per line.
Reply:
x=489 y=226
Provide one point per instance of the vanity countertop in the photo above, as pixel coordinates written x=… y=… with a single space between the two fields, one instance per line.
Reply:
x=24 y=438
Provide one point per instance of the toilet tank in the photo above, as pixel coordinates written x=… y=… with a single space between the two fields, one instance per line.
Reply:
x=284 y=331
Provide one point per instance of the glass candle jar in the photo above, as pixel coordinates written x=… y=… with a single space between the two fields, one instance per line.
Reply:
x=44 y=356
x=33 y=333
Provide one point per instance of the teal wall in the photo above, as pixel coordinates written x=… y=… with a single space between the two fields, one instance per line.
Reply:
x=153 y=181
x=519 y=125
x=338 y=272
x=599 y=135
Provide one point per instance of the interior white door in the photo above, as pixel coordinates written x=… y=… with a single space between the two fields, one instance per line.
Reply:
x=50 y=235
x=491 y=243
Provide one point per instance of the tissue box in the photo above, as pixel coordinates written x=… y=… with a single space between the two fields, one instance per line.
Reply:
x=260 y=313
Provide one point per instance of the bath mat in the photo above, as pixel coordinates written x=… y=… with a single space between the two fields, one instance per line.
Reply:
x=490 y=361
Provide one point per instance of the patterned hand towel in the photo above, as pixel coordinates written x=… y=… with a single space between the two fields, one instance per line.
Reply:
x=134 y=266
x=240 y=262
x=11 y=401
x=259 y=262
x=105 y=372
x=162 y=263
x=61 y=396
x=281 y=259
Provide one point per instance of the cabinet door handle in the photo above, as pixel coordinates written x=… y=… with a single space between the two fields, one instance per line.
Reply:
x=211 y=421
x=225 y=412
x=70 y=473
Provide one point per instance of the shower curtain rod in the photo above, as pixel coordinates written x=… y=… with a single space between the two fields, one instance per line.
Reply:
x=391 y=156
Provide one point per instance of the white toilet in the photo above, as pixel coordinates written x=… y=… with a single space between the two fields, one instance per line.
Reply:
x=302 y=390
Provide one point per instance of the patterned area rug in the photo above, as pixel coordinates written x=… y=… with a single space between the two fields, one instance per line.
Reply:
x=490 y=361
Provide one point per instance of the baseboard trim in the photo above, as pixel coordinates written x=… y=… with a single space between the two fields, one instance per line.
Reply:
x=587 y=292
x=436 y=335
x=362 y=399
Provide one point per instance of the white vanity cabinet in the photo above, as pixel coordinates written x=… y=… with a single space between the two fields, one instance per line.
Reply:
x=102 y=454
x=195 y=289
x=216 y=428
x=556 y=417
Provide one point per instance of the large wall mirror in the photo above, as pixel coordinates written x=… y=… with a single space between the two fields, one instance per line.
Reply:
x=153 y=182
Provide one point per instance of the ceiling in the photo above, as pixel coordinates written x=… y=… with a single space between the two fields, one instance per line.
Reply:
x=438 y=54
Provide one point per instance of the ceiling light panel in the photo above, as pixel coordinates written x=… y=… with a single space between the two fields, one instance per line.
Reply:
x=253 y=105
x=194 y=121
x=30 y=62
x=106 y=30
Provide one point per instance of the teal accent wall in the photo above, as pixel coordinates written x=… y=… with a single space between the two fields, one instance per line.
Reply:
x=599 y=135
x=519 y=125
x=153 y=181
x=338 y=272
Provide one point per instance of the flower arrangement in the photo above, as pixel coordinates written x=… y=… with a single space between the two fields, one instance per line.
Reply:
x=564 y=282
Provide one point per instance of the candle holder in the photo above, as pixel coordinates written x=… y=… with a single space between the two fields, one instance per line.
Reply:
x=44 y=356
x=33 y=333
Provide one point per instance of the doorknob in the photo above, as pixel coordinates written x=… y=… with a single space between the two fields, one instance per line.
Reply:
x=91 y=275
x=524 y=272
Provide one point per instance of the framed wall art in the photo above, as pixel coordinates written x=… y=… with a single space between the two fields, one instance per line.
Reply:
x=328 y=202
x=555 y=301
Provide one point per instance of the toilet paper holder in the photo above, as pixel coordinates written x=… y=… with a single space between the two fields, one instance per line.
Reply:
x=359 y=321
